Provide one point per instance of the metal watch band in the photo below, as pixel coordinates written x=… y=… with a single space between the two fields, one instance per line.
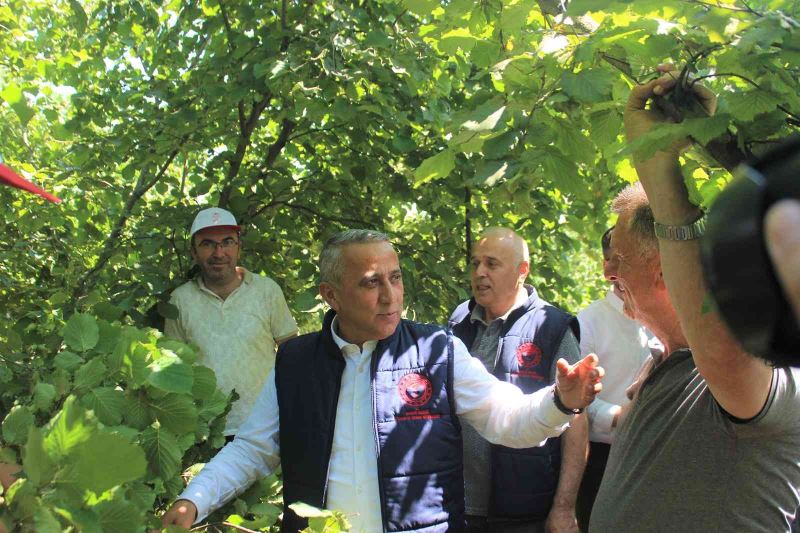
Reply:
x=681 y=233
x=560 y=405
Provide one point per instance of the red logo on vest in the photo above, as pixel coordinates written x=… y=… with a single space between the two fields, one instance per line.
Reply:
x=528 y=355
x=415 y=389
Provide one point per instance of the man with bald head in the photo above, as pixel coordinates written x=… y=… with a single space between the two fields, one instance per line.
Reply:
x=519 y=338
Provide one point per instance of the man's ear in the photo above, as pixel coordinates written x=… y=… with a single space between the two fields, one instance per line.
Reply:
x=328 y=293
x=524 y=270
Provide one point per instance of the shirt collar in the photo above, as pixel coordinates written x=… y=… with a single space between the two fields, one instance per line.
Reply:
x=614 y=300
x=347 y=347
x=247 y=279
x=478 y=311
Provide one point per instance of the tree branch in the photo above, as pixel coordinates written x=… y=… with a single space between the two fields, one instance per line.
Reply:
x=86 y=282
x=345 y=221
x=245 y=135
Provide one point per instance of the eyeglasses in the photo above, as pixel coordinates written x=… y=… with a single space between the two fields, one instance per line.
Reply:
x=207 y=245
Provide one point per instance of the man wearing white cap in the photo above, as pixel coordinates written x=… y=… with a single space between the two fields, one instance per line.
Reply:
x=235 y=317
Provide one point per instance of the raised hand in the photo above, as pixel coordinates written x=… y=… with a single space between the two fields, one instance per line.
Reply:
x=639 y=118
x=578 y=384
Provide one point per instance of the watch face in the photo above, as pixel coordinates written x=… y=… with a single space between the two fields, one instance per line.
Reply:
x=736 y=264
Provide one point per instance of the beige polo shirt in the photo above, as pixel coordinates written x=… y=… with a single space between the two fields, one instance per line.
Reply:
x=236 y=336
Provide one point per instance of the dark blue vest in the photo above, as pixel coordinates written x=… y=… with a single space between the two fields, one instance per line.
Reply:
x=524 y=481
x=412 y=392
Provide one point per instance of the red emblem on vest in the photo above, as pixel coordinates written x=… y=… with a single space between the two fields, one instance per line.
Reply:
x=528 y=355
x=415 y=389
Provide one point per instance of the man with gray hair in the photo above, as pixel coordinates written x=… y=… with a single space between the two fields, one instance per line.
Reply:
x=710 y=440
x=363 y=415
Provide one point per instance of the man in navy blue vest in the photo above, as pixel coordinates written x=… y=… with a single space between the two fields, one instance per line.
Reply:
x=364 y=415
x=518 y=337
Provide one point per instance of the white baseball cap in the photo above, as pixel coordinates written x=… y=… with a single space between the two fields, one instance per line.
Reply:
x=213 y=217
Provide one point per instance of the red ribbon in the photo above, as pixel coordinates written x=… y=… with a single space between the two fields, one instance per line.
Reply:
x=9 y=177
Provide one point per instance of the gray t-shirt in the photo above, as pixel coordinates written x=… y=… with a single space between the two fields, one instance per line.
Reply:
x=680 y=463
x=477 y=450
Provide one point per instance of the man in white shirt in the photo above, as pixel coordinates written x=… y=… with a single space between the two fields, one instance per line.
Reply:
x=623 y=345
x=236 y=318
x=363 y=416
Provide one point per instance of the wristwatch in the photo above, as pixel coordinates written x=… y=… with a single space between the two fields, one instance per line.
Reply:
x=560 y=405
x=681 y=233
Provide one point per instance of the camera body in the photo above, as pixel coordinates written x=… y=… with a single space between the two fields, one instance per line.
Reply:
x=737 y=267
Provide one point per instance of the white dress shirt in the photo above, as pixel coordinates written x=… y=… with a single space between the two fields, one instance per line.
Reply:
x=622 y=345
x=499 y=411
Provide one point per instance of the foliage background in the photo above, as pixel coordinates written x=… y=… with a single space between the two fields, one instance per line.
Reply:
x=429 y=120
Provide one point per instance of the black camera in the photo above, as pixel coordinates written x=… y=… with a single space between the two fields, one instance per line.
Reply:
x=737 y=267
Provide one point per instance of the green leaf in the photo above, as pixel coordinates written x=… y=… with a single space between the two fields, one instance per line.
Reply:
x=307 y=300
x=745 y=106
x=457 y=39
x=67 y=360
x=572 y=143
x=137 y=412
x=109 y=337
x=79 y=14
x=606 y=126
x=43 y=396
x=483 y=122
x=119 y=516
x=403 y=144
x=37 y=464
x=170 y=374
x=162 y=451
x=309 y=511
x=421 y=7
x=175 y=413
x=435 y=167
x=90 y=374
x=81 y=332
x=106 y=460
x=17 y=424
x=705 y=129
x=588 y=86
x=68 y=430
x=11 y=93
x=135 y=364
x=485 y=53
x=204 y=383
x=107 y=403
x=45 y=521
x=490 y=173
x=182 y=350
x=563 y=172
x=213 y=406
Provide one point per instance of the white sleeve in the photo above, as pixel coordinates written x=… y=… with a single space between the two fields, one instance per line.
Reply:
x=601 y=415
x=253 y=454
x=500 y=411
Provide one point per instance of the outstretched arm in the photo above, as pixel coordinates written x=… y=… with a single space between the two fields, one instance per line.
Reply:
x=500 y=411
x=739 y=382
x=253 y=454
